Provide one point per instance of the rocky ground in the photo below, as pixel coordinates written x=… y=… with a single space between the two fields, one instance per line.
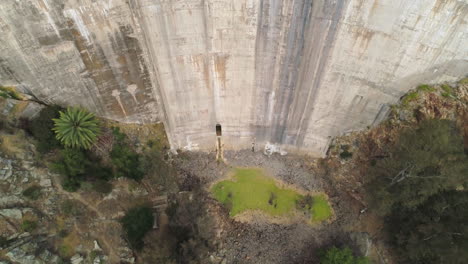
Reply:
x=83 y=227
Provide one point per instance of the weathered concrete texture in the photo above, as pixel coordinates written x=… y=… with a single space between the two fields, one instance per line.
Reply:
x=289 y=73
x=77 y=52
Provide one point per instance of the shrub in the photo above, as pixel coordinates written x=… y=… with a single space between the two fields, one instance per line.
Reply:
x=71 y=165
x=433 y=232
x=32 y=192
x=28 y=225
x=345 y=154
x=41 y=129
x=136 y=223
x=102 y=186
x=77 y=166
x=126 y=161
x=76 y=128
x=335 y=255
x=423 y=162
x=3 y=241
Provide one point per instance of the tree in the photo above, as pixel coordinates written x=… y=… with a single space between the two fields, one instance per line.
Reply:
x=434 y=232
x=136 y=223
x=423 y=162
x=335 y=255
x=76 y=128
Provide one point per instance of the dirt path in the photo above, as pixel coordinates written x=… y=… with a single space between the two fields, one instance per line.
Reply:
x=113 y=256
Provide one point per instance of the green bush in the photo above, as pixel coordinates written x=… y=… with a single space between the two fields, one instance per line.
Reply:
x=434 y=232
x=41 y=129
x=28 y=225
x=335 y=255
x=102 y=186
x=77 y=166
x=424 y=161
x=345 y=154
x=32 y=192
x=3 y=241
x=71 y=165
x=126 y=161
x=136 y=223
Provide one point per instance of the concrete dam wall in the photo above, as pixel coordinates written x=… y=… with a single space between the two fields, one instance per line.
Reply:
x=289 y=74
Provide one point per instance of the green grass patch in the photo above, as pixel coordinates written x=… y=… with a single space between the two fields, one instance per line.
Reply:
x=411 y=96
x=447 y=91
x=321 y=210
x=250 y=189
x=425 y=88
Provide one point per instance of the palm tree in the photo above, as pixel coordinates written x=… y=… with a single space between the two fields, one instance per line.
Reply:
x=76 y=128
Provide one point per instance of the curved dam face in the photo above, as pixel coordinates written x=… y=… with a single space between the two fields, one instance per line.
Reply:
x=287 y=73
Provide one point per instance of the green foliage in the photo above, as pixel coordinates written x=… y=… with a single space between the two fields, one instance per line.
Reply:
x=76 y=166
x=425 y=88
x=252 y=190
x=102 y=186
x=411 y=96
x=345 y=154
x=447 y=91
x=434 y=232
x=28 y=225
x=3 y=242
x=33 y=192
x=125 y=160
x=335 y=255
x=423 y=162
x=136 y=223
x=41 y=129
x=71 y=165
x=153 y=162
x=76 y=128
x=463 y=81
x=9 y=93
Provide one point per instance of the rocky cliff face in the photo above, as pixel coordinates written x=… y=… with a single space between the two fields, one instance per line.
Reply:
x=289 y=73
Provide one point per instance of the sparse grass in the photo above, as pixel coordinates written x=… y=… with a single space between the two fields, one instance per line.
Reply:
x=13 y=144
x=425 y=88
x=28 y=225
x=252 y=190
x=9 y=93
x=65 y=250
x=411 y=96
x=447 y=90
x=463 y=81
x=68 y=244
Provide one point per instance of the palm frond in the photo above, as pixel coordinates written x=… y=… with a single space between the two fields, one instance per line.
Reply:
x=76 y=128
